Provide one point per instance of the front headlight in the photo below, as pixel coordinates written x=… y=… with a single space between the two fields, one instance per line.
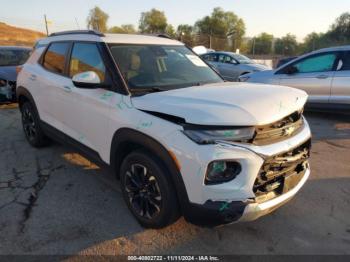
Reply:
x=211 y=136
x=3 y=82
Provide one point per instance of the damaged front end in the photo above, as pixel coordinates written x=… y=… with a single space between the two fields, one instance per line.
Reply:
x=281 y=173
x=7 y=90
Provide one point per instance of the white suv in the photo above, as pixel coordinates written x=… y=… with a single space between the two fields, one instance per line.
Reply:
x=181 y=140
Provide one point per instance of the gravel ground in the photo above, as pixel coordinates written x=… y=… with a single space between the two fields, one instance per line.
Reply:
x=54 y=201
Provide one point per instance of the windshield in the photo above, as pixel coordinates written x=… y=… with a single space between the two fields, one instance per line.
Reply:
x=242 y=59
x=163 y=67
x=13 y=57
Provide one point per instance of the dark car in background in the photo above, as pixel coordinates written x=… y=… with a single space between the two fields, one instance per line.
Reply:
x=285 y=61
x=10 y=58
x=232 y=65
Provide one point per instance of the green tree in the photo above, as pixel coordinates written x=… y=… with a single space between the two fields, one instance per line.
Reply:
x=153 y=21
x=97 y=19
x=286 y=45
x=170 y=31
x=262 y=44
x=312 y=41
x=340 y=29
x=123 y=29
x=222 y=24
x=184 y=33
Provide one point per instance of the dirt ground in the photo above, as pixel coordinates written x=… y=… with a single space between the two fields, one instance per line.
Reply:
x=53 y=201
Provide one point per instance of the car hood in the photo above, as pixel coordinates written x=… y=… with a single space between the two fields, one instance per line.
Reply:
x=239 y=104
x=8 y=73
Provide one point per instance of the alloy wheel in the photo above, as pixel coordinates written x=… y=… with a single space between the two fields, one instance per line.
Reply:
x=28 y=124
x=143 y=191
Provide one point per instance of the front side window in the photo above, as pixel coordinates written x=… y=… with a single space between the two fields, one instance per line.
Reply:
x=13 y=57
x=86 y=57
x=55 y=57
x=319 y=63
x=164 y=67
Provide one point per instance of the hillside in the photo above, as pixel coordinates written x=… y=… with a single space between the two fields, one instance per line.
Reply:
x=10 y=35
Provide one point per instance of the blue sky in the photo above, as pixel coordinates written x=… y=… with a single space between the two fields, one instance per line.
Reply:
x=279 y=17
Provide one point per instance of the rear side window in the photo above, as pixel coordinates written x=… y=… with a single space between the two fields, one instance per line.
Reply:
x=345 y=62
x=55 y=57
x=210 y=57
x=86 y=57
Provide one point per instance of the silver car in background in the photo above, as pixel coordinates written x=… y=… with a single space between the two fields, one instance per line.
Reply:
x=323 y=74
x=231 y=65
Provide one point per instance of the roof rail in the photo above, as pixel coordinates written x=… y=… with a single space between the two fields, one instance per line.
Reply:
x=163 y=36
x=80 y=32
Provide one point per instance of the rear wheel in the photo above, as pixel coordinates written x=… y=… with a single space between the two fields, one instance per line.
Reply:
x=148 y=190
x=31 y=126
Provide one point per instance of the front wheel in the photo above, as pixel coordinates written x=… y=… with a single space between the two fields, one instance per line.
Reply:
x=148 y=191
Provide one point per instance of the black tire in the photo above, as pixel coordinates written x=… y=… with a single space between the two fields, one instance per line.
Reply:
x=148 y=190
x=31 y=126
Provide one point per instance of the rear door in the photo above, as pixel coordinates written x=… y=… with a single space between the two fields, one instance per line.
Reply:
x=227 y=67
x=340 y=91
x=313 y=74
x=47 y=80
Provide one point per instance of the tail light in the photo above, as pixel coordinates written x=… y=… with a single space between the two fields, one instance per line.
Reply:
x=18 y=69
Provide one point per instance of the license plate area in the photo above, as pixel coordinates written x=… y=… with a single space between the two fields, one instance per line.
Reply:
x=292 y=180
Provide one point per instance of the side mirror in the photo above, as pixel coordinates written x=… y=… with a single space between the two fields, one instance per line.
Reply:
x=290 y=70
x=87 y=79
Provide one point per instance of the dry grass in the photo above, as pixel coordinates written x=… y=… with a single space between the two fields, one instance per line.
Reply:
x=10 y=35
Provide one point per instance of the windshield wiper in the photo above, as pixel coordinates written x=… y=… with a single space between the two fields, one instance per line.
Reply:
x=147 y=90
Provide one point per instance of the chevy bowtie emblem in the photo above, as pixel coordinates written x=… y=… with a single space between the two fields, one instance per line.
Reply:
x=288 y=131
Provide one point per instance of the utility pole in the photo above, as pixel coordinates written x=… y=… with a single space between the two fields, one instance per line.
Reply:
x=47 y=29
x=76 y=21
x=253 y=46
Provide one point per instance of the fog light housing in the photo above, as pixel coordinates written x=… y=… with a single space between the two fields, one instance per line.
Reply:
x=222 y=171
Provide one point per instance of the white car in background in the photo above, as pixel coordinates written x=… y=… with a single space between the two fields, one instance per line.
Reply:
x=181 y=140
x=323 y=74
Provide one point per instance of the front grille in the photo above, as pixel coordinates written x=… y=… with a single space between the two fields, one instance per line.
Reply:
x=276 y=170
x=279 y=130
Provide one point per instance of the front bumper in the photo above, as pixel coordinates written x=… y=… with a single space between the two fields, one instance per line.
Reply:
x=239 y=199
x=255 y=210
x=8 y=91
x=215 y=213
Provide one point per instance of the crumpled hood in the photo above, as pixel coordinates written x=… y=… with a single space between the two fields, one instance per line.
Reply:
x=8 y=73
x=239 y=104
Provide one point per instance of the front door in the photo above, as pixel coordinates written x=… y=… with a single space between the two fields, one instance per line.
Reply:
x=86 y=115
x=313 y=74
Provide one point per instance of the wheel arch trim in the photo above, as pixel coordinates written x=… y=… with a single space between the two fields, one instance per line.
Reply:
x=125 y=135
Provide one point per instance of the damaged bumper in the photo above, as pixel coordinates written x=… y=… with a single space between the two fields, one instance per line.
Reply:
x=215 y=213
x=255 y=210
x=7 y=90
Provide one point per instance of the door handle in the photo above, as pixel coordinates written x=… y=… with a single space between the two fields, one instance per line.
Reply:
x=322 y=76
x=67 y=89
x=33 y=77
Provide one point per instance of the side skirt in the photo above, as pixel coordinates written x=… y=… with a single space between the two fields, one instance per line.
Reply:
x=62 y=138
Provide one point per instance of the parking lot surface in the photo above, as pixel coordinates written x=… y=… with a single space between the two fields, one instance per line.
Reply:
x=54 y=201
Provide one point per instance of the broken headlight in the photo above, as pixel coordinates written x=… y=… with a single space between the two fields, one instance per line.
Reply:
x=3 y=83
x=222 y=171
x=211 y=136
